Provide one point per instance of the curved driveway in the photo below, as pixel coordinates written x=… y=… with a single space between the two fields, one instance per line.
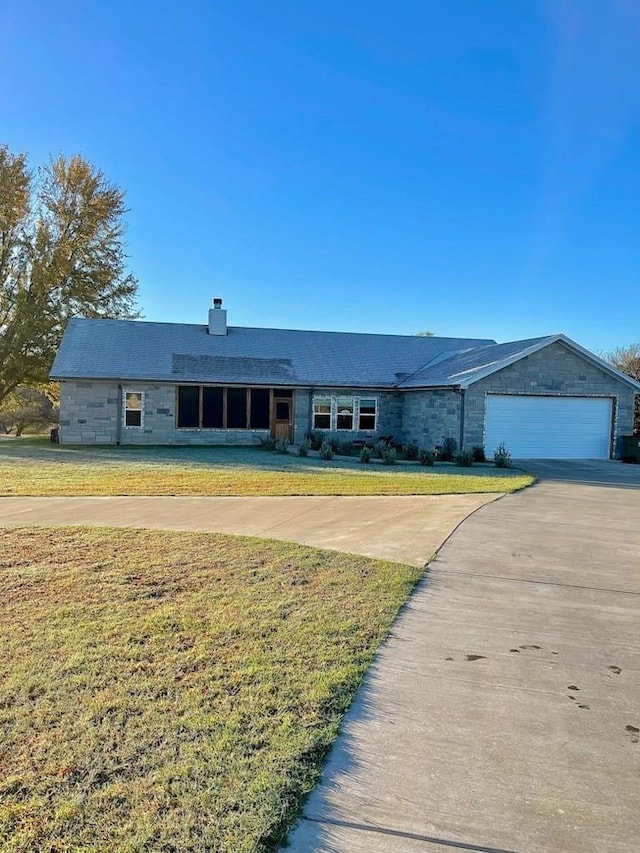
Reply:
x=503 y=714
x=407 y=529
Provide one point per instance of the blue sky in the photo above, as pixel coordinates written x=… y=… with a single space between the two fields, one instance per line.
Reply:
x=470 y=167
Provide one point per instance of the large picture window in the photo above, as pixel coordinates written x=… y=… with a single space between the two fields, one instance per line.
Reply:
x=207 y=407
x=133 y=408
x=345 y=413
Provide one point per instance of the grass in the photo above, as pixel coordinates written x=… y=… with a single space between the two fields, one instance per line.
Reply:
x=36 y=467
x=165 y=691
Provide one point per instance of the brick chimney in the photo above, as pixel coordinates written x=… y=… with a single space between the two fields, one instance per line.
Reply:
x=217 y=318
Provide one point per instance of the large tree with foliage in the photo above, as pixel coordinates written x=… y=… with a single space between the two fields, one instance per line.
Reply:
x=627 y=359
x=61 y=255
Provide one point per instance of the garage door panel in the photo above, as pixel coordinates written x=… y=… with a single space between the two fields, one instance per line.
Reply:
x=538 y=427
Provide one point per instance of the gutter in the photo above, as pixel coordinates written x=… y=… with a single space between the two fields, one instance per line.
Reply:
x=119 y=416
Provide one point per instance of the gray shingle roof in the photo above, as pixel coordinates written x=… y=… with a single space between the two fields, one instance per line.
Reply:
x=132 y=350
x=462 y=366
x=135 y=350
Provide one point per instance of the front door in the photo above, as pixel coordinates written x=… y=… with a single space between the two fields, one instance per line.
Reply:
x=282 y=421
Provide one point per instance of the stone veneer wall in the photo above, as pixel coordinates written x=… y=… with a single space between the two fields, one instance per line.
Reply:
x=554 y=370
x=389 y=412
x=89 y=413
x=430 y=416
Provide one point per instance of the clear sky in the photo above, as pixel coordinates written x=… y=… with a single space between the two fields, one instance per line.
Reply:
x=471 y=167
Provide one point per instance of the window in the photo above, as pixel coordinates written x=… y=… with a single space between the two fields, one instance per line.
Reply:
x=208 y=407
x=367 y=414
x=345 y=413
x=344 y=418
x=188 y=406
x=236 y=408
x=212 y=408
x=259 y=411
x=133 y=408
x=322 y=413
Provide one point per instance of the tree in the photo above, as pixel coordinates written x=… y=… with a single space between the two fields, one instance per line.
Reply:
x=26 y=407
x=61 y=255
x=627 y=359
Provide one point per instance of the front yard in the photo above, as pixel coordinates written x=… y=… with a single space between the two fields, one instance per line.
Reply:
x=168 y=691
x=36 y=467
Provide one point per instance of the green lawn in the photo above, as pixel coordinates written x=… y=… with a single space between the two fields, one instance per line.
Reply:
x=36 y=467
x=166 y=691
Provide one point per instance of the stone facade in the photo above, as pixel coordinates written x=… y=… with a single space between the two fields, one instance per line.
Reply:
x=91 y=411
x=430 y=416
x=389 y=416
x=554 y=370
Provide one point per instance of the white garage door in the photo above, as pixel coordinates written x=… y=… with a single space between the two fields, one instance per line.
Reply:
x=549 y=427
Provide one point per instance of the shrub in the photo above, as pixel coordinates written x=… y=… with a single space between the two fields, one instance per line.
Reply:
x=464 y=459
x=502 y=457
x=268 y=443
x=326 y=450
x=478 y=453
x=389 y=456
x=315 y=437
x=282 y=446
x=411 y=450
x=426 y=457
x=448 y=449
x=365 y=454
x=303 y=450
x=342 y=448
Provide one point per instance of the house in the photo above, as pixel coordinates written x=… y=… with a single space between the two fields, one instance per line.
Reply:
x=135 y=382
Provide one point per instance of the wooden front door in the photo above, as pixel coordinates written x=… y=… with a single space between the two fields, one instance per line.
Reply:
x=282 y=418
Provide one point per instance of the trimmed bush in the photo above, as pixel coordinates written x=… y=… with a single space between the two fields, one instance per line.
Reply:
x=389 y=456
x=303 y=450
x=268 y=443
x=411 y=450
x=326 y=450
x=315 y=437
x=365 y=455
x=342 y=448
x=464 y=459
x=426 y=457
x=502 y=457
x=448 y=449
x=478 y=453
x=282 y=446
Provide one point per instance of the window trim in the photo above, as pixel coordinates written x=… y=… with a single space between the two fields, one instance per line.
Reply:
x=333 y=414
x=126 y=410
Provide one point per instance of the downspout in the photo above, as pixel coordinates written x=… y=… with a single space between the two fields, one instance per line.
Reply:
x=310 y=412
x=460 y=391
x=119 y=415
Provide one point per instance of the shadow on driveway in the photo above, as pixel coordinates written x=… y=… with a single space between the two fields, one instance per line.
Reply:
x=590 y=472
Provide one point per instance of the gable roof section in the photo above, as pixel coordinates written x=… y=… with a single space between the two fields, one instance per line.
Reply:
x=133 y=350
x=461 y=369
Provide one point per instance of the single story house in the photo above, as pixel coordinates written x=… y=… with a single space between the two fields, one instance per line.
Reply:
x=135 y=382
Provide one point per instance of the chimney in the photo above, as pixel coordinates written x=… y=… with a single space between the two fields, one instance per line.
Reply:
x=217 y=318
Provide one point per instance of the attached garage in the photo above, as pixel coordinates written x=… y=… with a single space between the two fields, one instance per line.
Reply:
x=549 y=427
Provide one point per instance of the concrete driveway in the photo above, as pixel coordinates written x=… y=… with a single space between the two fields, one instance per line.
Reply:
x=503 y=714
x=407 y=529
